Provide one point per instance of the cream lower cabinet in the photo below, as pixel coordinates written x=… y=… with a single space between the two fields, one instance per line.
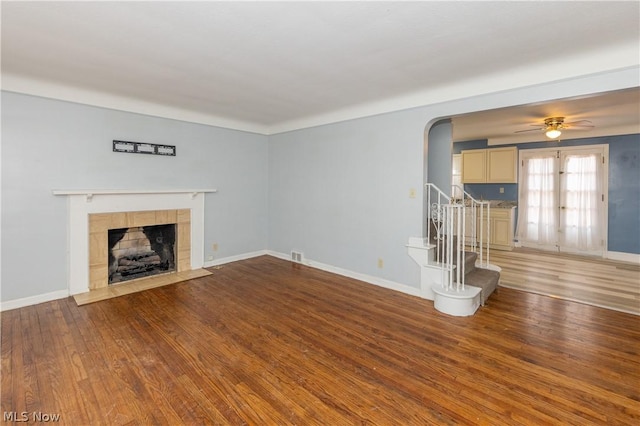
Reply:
x=501 y=228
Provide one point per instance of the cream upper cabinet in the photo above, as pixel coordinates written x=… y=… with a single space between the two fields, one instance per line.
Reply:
x=502 y=165
x=495 y=165
x=474 y=166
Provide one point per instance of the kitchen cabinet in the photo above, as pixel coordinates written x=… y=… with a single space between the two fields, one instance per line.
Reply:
x=501 y=228
x=494 y=165
x=474 y=166
x=468 y=227
x=502 y=165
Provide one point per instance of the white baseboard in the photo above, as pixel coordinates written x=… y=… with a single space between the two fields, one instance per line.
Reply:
x=624 y=257
x=33 y=300
x=61 y=294
x=229 y=259
x=380 y=282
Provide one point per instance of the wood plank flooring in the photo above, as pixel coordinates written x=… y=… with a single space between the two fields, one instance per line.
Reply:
x=267 y=342
x=596 y=281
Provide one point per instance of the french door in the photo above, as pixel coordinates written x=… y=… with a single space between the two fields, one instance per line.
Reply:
x=562 y=199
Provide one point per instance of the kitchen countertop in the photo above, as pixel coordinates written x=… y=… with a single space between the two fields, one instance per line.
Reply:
x=498 y=204
x=502 y=204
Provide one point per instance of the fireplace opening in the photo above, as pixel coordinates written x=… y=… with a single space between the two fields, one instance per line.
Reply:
x=141 y=252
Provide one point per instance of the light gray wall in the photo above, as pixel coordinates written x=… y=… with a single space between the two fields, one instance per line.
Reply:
x=339 y=193
x=49 y=144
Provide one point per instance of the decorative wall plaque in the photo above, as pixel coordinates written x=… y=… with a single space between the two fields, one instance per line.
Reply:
x=144 y=148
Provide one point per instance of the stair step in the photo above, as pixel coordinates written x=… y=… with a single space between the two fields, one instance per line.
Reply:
x=486 y=279
x=459 y=303
x=470 y=258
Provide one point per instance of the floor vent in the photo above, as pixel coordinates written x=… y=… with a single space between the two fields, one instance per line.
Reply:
x=296 y=256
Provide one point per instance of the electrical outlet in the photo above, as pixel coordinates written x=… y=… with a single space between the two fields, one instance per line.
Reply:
x=412 y=193
x=501 y=190
x=209 y=257
x=380 y=263
x=215 y=247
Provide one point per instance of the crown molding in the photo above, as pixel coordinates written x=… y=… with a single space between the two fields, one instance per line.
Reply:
x=555 y=69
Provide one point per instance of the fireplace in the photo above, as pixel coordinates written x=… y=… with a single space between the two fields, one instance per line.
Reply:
x=141 y=251
x=93 y=212
x=129 y=245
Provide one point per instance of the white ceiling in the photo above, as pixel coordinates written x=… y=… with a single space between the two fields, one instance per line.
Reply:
x=610 y=113
x=270 y=67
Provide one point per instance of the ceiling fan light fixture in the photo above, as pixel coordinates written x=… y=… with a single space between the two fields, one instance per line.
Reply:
x=554 y=126
x=553 y=133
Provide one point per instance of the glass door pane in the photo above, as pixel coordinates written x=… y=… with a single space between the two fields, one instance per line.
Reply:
x=538 y=200
x=581 y=201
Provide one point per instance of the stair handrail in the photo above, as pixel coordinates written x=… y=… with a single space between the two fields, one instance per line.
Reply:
x=482 y=222
x=477 y=207
x=456 y=224
x=441 y=195
x=465 y=194
x=447 y=218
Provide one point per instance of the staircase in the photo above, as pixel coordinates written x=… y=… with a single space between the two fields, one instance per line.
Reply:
x=455 y=269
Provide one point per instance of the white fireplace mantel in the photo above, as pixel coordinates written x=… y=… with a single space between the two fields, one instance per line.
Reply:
x=89 y=193
x=82 y=203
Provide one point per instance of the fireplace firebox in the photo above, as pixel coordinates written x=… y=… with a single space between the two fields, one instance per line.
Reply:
x=141 y=251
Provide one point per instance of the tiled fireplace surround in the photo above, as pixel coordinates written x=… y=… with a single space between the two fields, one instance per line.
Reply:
x=100 y=223
x=92 y=213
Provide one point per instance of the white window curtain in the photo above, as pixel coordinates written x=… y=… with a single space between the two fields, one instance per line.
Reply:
x=582 y=192
x=561 y=199
x=537 y=206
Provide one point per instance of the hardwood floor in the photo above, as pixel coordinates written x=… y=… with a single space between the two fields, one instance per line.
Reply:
x=266 y=342
x=596 y=281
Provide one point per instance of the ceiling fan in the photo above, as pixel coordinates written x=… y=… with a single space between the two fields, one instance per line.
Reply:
x=553 y=126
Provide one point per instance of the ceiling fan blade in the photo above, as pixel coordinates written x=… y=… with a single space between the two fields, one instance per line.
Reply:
x=580 y=123
x=529 y=130
x=578 y=128
x=558 y=123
